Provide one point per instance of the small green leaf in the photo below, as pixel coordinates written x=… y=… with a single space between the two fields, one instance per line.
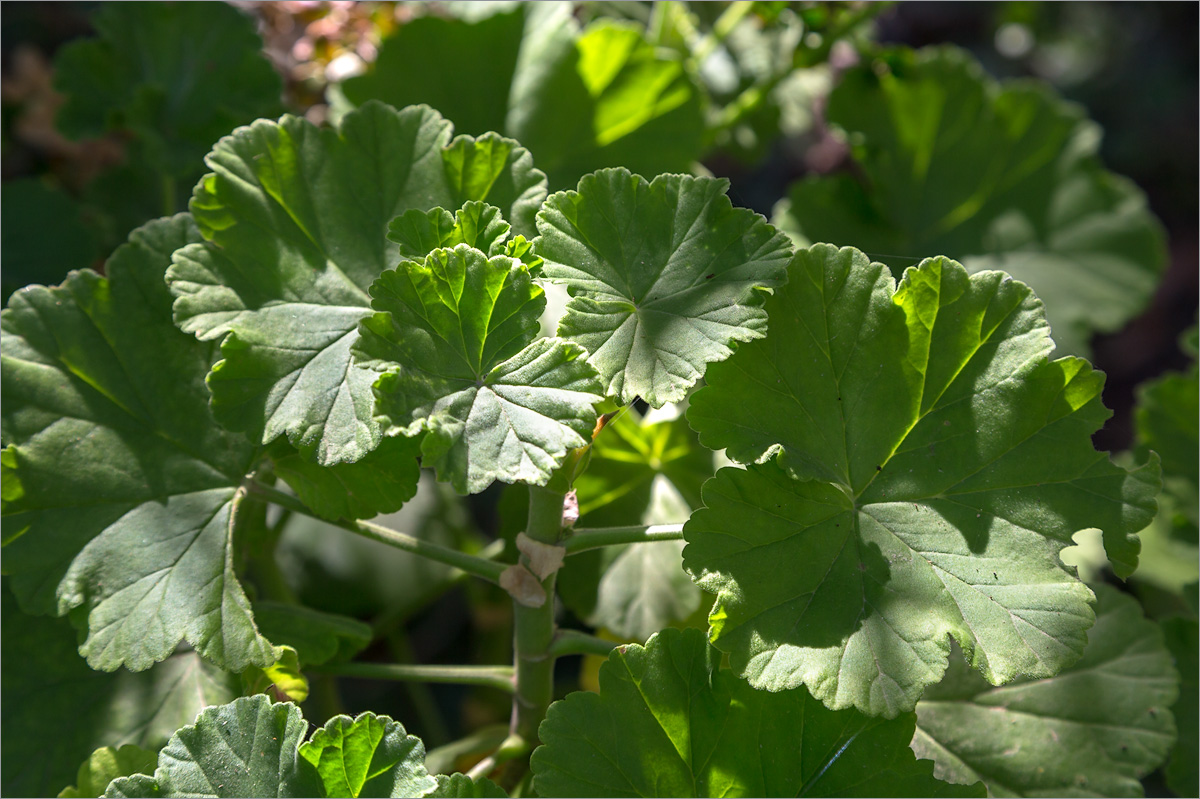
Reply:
x=121 y=492
x=931 y=464
x=295 y=220
x=105 y=765
x=997 y=176
x=476 y=224
x=381 y=482
x=452 y=336
x=178 y=76
x=282 y=681
x=666 y=723
x=1092 y=730
x=460 y=786
x=317 y=637
x=662 y=275
x=245 y=748
x=368 y=756
x=1166 y=422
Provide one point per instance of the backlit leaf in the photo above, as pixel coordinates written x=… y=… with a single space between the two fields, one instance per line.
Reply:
x=105 y=765
x=368 y=756
x=931 y=464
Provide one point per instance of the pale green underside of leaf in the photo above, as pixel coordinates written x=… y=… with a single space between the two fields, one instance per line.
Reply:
x=579 y=101
x=1093 y=730
x=667 y=723
x=452 y=336
x=246 y=748
x=120 y=489
x=929 y=465
x=295 y=219
x=663 y=277
x=49 y=682
x=368 y=756
x=998 y=176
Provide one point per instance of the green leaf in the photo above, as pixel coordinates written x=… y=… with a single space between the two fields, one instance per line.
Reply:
x=931 y=464
x=295 y=219
x=316 y=636
x=663 y=277
x=606 y=97
x=1093 y=730
x=120 y=492
x=282 y=681
x=1166 y=422
x=666 y=723
x=178 y=76
x=476 y=224
x=452 y=336
x=1183 y=641
x=368 y=756
x=48 y=682
x=44 y=235
x=998 y=176
x=105 y=765
x=381 y=482
x=460 y=786
x=245 y=748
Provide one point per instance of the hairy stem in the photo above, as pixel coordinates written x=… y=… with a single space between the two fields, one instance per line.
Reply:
x=585 y=538
x=471 y=564
x=533 y=632
x=500 y=677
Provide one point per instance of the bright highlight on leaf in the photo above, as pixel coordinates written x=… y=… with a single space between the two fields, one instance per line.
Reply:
x=453 y=337
x=1094 y=729
x=667 y=722
x=930 y=465
x=663 y=277
x=368 y=756
x=295 y=221
x=120 y=491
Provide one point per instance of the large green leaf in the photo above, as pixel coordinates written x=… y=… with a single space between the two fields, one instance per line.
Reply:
x=1093 y=730
x=368 y=756
x=295 y=219
x=997 y=176
x=668 y=723
x=931 y=464
x=1166 y=420
x=57 y=710
x=176 y=75
x=580 y=101
x=245 y=748
x=453 y=337
x=120 y=492
x=664 y=277
x=1183 y=640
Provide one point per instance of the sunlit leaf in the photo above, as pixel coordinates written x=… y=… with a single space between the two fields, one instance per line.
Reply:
x=368 y=756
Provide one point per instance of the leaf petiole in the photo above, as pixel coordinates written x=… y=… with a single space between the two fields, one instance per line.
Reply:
x=585 y=538
x=499 y=677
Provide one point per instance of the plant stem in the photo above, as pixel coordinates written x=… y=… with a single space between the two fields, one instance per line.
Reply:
x=471 y=564
x=730 y=17
x=533 y=632
x=500 y=677
x=573 y=642
x=586 y=538
x=510 y=747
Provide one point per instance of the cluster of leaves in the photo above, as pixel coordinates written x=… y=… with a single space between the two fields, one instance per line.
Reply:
x=904 y=463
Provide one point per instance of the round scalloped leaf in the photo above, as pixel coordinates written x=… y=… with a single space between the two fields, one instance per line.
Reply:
x=931 y=463
x=667 y=723
x=245 y=748
x=1094 y=730
x=452 y=336
x=120 y=491
x=998 y=176
x=476 y=224
x=368 y=756
x=107 y=764
x=662 y=275
x=295 y=219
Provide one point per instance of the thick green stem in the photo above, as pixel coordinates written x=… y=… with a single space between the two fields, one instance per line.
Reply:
x=533 y=633
x=471 y=564
x=573 y=642
x=500 y=677
x=583 y=539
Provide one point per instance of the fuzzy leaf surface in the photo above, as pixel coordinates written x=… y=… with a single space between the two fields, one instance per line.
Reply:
x=245 y=748
x=997 y=176
x=929 y=465
x=667 y=723
x=120 y=491
x=453 y=338
x=107 y=764
x=460 y=786
x=662 y=275
x=368 y=756
x=295 y=220
x=1093 y=730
